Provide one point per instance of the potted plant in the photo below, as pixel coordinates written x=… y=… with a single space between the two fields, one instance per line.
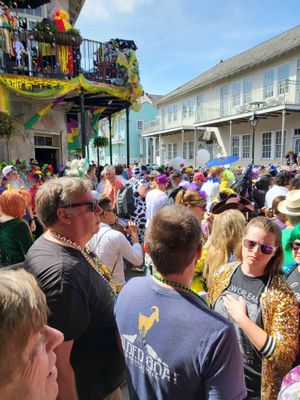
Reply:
x=99 y=142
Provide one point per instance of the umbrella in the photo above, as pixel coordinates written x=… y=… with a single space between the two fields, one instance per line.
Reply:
x=24 y=3
x=222 y=161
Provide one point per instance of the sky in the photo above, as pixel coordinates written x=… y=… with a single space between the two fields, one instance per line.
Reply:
x=177 y=40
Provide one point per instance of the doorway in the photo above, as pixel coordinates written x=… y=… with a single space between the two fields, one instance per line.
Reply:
x=47 y=156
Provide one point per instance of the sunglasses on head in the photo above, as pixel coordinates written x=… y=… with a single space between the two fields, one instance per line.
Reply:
x=92 y=205
x=264 y=248
x=295 y=245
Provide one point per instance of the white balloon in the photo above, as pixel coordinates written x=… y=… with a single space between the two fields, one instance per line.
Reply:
x=177 y=163
x=202 y=157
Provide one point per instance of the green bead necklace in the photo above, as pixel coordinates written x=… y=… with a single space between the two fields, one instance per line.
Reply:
x=177 y=285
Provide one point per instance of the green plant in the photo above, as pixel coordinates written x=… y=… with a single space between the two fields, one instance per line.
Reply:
x=74 y=32
x=99 y=142
x=48 y=26
x=8 y=126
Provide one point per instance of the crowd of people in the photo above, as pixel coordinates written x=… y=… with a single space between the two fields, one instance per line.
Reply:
x=214 y=312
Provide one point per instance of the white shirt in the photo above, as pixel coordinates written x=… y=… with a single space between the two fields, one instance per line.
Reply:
x=274 y=192
x=110 y=246
x=155 y=200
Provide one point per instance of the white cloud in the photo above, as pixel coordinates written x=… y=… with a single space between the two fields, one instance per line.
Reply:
x=105 y=9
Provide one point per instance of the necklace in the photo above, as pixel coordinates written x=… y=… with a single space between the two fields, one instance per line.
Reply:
x=177 y=285
x=92 y=259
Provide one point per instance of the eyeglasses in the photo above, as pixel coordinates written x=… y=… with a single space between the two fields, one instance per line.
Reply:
x=113 y=210
x=201 y=206
x=264 y=248
x=93 y=204
x=295 y=246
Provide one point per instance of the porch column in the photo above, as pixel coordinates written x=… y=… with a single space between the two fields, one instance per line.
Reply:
x=154 y=149
x=182 y=141
x=282 y=135
x=110 y=141
x=230 y=138
x=160 y=149
x=146 y=150
x=127 y=137
x=82 y=125
x=195 y=148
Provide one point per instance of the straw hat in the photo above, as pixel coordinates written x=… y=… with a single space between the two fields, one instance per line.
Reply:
x=291 y=205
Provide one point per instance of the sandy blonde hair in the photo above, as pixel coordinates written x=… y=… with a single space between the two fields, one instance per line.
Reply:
x=23 y=312
x=225 y=239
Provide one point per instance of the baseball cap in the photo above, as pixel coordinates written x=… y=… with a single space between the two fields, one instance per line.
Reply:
x=8 y=169
x=161 y=179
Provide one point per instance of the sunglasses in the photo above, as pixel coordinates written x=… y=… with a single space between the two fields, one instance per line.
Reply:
x=113 y=211
x=264 y=248
x=295 y=245
x=92 y=205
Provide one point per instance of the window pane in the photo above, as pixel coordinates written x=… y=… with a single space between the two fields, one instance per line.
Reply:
x=236 y=93
x=174 y=150
x=247 y=90
x=283 y=76
x=278 y=144
x=236 y=146
x=246 y=146
x=191 y=150
x=266 y=144
x=185 y=150
x=268 y=80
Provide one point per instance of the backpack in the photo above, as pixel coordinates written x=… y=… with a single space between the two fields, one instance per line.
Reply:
x=125 y=201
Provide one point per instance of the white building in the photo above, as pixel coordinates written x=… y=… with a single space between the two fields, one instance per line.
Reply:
x=214 y=110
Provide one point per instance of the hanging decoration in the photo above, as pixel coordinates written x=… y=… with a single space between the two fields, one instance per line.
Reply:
x=42 y=113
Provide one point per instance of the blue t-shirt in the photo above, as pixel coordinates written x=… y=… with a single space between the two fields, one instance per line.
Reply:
x=175 y=347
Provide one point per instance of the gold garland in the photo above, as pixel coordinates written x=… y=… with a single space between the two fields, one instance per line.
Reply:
x=92 y=259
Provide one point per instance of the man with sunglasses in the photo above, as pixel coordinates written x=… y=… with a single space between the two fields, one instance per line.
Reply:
x=80 y=294
x=111 y=246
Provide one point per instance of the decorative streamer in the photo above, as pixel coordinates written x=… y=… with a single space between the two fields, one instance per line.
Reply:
x=42 y=113
x=5 y=100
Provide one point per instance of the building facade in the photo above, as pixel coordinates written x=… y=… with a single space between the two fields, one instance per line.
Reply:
x=246 y=106
x=137 y=121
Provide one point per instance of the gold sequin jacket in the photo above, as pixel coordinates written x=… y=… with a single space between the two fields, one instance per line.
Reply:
x=280 y=320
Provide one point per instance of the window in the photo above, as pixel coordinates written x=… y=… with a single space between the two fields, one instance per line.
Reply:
x=43 y=141
x=172 y=150
x=266 y=145
x=190 y=106
x=174 y=112
x=268 y=82
x=31 y=11
x=184 y=110
x=236 y=146
x=283 y=78
x=278 y=144
x=170 y=113
x=140 y=125
x=246 y=146
x=247 y=90
x=224 y=100
x=297 y=132
x=236 y=93
x=188 y=150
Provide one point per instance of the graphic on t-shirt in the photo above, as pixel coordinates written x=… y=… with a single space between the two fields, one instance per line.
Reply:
x=146 y=323
x=142 y=355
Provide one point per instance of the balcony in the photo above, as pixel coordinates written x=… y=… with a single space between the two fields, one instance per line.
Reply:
x=151 y=126
x=281 y=93
x=65 y=56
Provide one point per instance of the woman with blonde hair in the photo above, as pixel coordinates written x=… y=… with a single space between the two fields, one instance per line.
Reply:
x=195 y=200
x=262 y=306
x=224 y=244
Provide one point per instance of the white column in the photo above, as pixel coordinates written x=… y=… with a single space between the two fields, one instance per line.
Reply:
x=230 y=138
x=147 y=150
x=182 y=140
x=195 y=148
x=160 y=149
x=154 y=149
x=282 y=135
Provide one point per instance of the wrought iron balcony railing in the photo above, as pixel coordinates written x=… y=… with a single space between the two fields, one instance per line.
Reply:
x=62 y=56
